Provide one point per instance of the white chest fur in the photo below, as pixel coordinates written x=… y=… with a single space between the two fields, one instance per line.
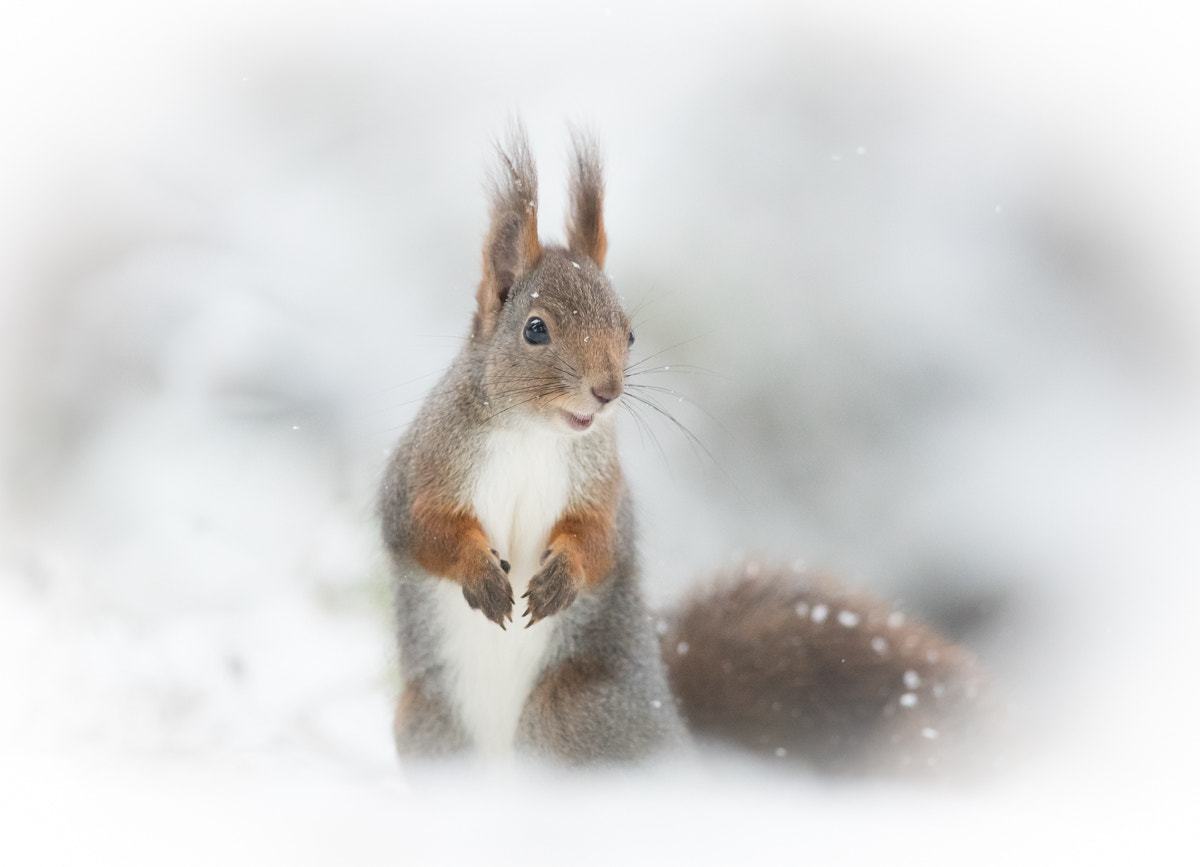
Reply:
x=521 y=492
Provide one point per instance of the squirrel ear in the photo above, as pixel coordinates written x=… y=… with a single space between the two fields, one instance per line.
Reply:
x=585 y=225
x=511 y=247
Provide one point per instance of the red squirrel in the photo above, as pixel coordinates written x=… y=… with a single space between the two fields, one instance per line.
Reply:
x=507 y=491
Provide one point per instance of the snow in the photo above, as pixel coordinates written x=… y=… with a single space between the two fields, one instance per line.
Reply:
x=848 y=619
x=225 y=287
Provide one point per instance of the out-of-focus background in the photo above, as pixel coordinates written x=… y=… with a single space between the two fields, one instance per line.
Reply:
x=937 y=259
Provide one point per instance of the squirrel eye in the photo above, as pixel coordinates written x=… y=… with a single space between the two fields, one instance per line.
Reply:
x=536 y=333
x=631 y=338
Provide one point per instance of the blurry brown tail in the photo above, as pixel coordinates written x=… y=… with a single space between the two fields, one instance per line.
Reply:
x=796 y=667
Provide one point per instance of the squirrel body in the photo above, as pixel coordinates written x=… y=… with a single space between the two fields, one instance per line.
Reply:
x=522 y=487
x=508 y=485
x=507 y=489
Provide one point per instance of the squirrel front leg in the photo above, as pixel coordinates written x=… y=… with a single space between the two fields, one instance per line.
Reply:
x=579 y=555
x=449 y=542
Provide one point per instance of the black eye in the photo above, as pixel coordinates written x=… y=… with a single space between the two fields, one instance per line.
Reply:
x=631 y=338
x=535 y=332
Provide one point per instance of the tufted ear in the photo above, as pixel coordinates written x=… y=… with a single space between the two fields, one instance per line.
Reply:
x=511 y=247
x=585 y=224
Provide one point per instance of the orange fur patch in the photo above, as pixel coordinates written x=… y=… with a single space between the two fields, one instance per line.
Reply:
x=586 y=539
x=531 y=246
x=445 y=537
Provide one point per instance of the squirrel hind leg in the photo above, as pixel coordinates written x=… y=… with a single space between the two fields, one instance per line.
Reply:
x=796 y=667
x=587 y=711
x=425 y=725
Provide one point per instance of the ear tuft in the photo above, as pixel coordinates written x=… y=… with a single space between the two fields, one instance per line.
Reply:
x=511 y=248
x=585 y=224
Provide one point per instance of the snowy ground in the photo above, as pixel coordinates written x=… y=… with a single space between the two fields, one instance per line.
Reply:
x=940 y=262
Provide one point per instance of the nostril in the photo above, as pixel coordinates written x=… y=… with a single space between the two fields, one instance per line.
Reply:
x=606 y=394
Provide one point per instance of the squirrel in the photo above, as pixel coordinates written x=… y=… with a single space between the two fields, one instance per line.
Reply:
x=508 y=486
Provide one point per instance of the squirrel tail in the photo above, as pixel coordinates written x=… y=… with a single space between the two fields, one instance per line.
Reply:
x=796 y=667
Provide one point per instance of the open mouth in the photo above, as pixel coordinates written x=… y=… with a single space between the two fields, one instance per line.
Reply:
x=578 y=422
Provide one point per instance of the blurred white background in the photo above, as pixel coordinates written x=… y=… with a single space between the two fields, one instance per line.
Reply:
x=939 y=259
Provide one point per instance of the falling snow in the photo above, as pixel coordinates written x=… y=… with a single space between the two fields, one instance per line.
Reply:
x=819 y=613
x=848 y=619
x=307 y=684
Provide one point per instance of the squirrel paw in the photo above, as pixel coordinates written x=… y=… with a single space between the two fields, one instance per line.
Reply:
x=551 y=590
x=488 y=590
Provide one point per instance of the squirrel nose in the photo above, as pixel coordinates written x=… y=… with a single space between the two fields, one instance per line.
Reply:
x=607 y=393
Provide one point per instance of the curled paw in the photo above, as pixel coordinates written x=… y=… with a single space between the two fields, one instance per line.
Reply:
x=551 y=590
x=486 y=588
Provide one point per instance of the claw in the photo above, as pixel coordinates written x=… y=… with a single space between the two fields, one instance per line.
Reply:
x=505 y=565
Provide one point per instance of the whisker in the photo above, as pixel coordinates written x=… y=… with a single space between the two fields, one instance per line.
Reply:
x=683 y=399
x=690 y=369
x=667 y=349
x=692 y=438
x=644 y=430
x=523 y=402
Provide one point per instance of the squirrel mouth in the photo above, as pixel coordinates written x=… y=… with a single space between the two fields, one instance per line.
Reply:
x=578 y=422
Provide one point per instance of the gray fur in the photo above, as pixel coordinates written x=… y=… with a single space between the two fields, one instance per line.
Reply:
x=622 y=710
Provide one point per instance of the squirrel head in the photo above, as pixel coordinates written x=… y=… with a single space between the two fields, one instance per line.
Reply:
x=553 y=337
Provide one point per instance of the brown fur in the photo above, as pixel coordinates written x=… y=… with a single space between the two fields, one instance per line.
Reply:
x=579 y=557
x=558 y=703
x=445 y=537
x=850 y=687
x=855 y=690
x=586 y=539
x=511 y=249
x=601 y=692
x=450 y=543
x=422 y=718
x=585 y=228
